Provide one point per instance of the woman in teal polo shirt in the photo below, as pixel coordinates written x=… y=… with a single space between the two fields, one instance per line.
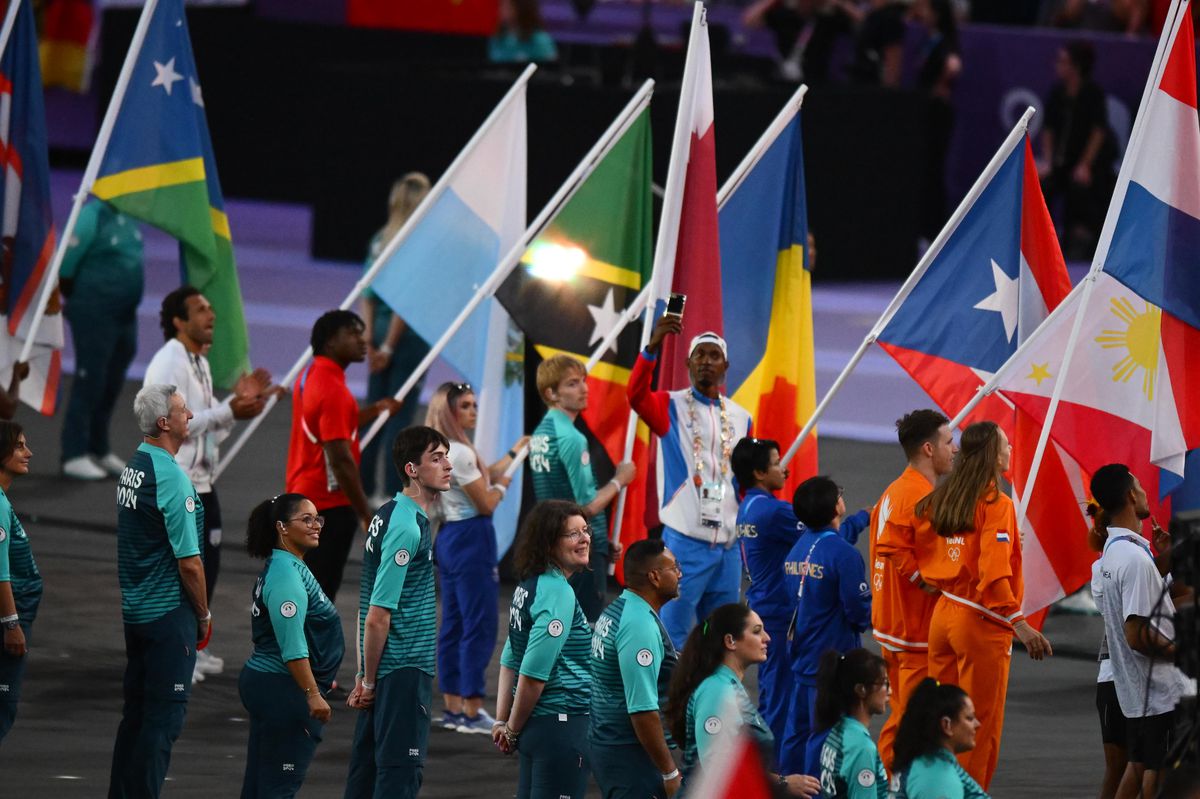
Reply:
x=939 y=723
x=298 y=647
x=850 y=689
x=20 y=581
x=545 y=688
x=707 y=704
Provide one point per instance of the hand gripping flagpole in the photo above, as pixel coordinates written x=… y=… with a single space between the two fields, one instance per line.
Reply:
x=1014 y=138
x=89 y=174
x=381 y=260
x=10 y=19
x=504 y=267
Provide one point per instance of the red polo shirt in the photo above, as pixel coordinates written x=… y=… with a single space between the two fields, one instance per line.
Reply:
x=323 y=409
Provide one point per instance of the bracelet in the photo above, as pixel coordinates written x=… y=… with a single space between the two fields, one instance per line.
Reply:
x=615 y=483
x=670 y=775
x=384 y=349
x=368 y=686
x=512 y=454
x=310 y=691
x=207 y=617
x=11 y=618
x=497 y=487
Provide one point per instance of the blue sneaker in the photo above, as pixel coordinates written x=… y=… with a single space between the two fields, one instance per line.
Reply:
x=479 y=725
x=451 y=721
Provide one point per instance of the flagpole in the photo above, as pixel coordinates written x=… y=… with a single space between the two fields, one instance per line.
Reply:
x=768 y=137
x=89 y=174
x=1110 y=222
x=506 y=264
x=381 y=260
x=668 y=230
x=10 y=19
x=1010 y=143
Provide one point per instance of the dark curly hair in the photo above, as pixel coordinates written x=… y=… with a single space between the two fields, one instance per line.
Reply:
x=539 y=534
x=174 y=306
x=260 y=530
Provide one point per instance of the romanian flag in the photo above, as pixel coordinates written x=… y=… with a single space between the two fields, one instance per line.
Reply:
x=587 y=267
x=767 y=293
x=68 y=43
x=159 y=168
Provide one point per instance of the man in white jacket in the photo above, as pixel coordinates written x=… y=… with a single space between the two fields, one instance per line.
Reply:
x=187 y=321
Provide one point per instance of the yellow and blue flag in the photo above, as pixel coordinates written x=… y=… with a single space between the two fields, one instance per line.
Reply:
x=766 y=291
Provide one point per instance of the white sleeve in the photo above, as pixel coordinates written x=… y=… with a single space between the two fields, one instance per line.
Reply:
x=465 y=466
x=1143 y=591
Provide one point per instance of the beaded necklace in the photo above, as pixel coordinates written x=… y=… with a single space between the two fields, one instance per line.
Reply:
x=697 y=449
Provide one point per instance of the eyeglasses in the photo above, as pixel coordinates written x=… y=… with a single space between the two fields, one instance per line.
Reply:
x=310 y=520
x=575 y=535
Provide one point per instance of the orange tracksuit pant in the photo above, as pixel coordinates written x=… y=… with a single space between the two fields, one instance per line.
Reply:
x=974 y=653
x=905 y=671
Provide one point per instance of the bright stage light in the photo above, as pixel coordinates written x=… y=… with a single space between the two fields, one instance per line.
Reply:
x=558 y=262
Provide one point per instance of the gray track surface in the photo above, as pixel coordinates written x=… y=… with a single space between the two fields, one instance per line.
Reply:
x=62 y=742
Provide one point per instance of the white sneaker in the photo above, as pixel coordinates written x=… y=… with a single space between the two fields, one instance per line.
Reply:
x=83 y=468
x=197 y=675
x=111 y=464
x=209 y=664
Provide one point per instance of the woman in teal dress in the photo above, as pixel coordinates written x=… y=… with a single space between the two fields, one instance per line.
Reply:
x=20 y=581
x=850 y=689
x=939 y=723
x=707 y=704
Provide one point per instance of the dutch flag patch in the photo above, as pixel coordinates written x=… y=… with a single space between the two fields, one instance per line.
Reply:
x=1002 y=536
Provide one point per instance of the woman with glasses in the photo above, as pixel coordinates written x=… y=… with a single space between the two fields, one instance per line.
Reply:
x=850 y=689
x=20 y=581
x=939 y=723
x=465 y=551
x=298 y=647
x=545 y=690
x=707 y=704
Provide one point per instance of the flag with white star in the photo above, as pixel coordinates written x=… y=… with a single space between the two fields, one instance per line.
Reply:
x=159 y=168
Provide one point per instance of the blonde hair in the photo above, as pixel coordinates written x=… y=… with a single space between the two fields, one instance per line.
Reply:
x=554 y=370
x=441 y=416
x=406 y=195
x=953 y=505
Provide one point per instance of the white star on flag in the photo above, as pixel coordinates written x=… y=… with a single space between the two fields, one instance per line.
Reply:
x=197 y=98
x=605 y=318
x=167 y=76
x=1003 y=300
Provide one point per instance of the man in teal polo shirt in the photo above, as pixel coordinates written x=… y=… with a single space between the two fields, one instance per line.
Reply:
x=160 y=524
x=562 y=469
x=397 y=623
x=632 y=661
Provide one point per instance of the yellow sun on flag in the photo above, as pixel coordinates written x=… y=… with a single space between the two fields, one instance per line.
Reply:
x=1139 y=339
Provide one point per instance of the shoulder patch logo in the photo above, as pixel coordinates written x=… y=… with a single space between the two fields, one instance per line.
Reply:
x=645 y=657
x=1002 y=537
x=287 y=610
x=189 y=504
x=555 y=628
x=712 y=725
x=3 y=534
x=585 y=458
x=402 y=557
x=866 y=778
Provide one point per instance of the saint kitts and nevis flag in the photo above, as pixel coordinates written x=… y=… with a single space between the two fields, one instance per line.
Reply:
x=995 y=278
x=767 y=295
x=26 y=221
x=1133 y=366
x=159 y=167
x=589 y=264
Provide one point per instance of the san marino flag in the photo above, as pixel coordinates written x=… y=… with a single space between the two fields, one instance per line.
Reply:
x=159 y=167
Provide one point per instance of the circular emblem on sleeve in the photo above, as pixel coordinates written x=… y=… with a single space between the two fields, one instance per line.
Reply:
x=3 y=534
x=585 y=458
x=645 y=657
x=190 y=504
x=866 y=778
x=555 y=628
x=402 y=557
x=712 y=725
x=287 y=609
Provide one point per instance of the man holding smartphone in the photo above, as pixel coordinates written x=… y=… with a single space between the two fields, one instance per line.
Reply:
x=697 y=428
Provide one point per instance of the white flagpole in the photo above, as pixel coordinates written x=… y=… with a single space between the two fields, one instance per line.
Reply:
x=1010 y=143
x=381 y=260
x=10 y=19
x=50 y=279
x=506 y=264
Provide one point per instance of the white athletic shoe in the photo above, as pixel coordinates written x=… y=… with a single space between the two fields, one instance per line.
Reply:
x=83 y=468
x=111 y=464
x=197 y=675
x=209 y=664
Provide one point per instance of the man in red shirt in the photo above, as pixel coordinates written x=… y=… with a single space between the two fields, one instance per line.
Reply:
x=323 y=453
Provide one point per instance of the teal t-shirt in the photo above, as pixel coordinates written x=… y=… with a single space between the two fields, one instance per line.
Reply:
x=397 y=574
x=507 y=47
x=716 y=711
x=850 y=764
x=562 y=469
x=160 y=521
x=16 y=562
x=549 y=639
x=292 y=619
x=938 y=776
x=103 y=260
x=632 y=662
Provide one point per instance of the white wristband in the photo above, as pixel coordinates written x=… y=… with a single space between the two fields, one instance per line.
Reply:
x=670 y=775
x=615 y=483
x=500 y=488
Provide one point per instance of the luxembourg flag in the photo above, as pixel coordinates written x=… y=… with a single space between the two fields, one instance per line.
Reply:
x=475 y=220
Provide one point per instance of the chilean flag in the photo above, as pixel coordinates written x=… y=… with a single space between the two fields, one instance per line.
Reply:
x=997 y=276
x=687 y=259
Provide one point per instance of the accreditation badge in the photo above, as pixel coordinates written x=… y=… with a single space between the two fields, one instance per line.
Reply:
x=712 y=498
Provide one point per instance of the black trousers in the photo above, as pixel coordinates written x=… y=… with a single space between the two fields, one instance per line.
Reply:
x=327 y=561
x=212 y=541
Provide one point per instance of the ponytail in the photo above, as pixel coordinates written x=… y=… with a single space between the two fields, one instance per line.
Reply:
x=701 y=655
x=920 y=731
x=837 y=677
x=260 y=529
